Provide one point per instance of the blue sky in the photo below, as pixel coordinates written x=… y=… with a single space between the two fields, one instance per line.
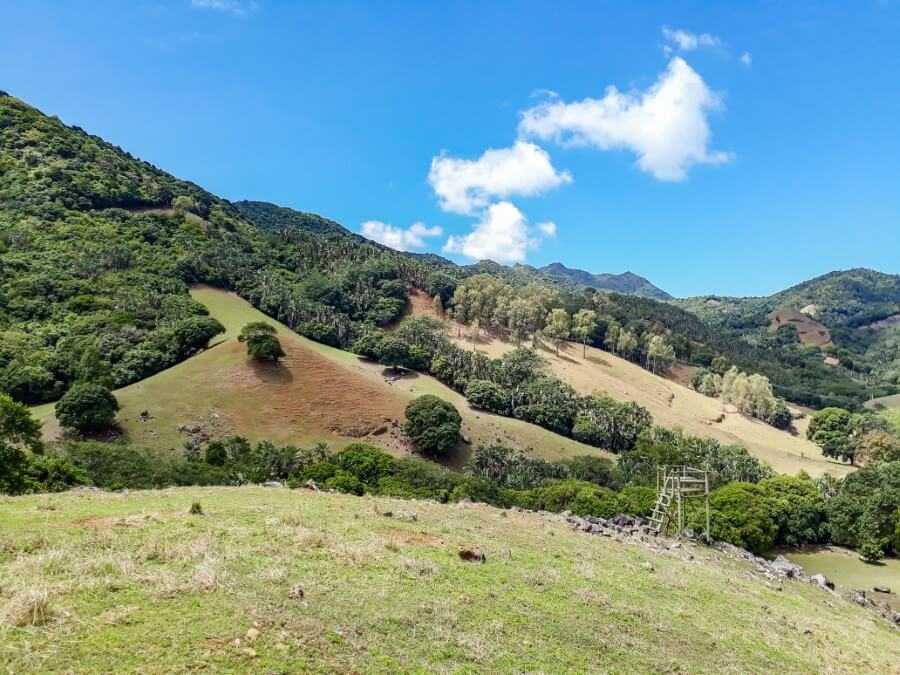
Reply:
x=746 y=148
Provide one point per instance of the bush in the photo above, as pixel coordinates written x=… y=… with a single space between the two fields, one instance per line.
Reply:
x=366 y=463
x=798 y=509
x=741 y=515
x=486 y=395
x=51 y=473
x=262 y=344
x=871 y=551
x=87 y=408
x=593 y=469
x=512 y=468
x=343 y=481
x=433 y=425
x=637 y=500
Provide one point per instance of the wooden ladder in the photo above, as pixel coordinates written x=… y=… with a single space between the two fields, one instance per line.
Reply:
x=659 y=519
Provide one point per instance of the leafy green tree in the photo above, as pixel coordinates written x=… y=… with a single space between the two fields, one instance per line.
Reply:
x=584 y=325
x=262 y=343
x=19 y=434
x=558 y=326
x=741 y=514
x=87 y=408
x=487 y=395
x=798 y=508
x=832 y=430
x=660 y=354
x=432 y=425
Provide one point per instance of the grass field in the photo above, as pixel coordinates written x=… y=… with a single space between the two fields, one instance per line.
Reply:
x=846 y=569
x=674 y=405
x=316 y=393
x=273 y=580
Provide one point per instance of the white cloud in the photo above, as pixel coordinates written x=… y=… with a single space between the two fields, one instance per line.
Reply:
x=398 y=238
x=665 y=126
x=502 y=235
x=466 y=186
x=747 y=59
x=237 y=7
x=548 y=229
x=687 y=41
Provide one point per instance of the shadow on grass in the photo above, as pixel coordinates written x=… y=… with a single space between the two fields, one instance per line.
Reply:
x=271 y=372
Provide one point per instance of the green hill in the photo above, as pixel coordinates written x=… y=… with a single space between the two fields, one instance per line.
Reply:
x=274 y=580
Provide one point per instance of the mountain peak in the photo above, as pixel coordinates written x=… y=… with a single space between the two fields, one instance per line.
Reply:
x=626 y=282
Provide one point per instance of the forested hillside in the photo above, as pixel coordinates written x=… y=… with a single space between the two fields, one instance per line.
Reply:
x=860 y=309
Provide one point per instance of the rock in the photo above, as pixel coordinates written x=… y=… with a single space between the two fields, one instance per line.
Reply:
x=296 y=593
x=407 y=516
x=272 y=484
x=472 y=555
x=311 y=485
x=859 y=597
x=380 y=430
x=881 y=589
x=822 y=582
x=145 y=416
x=782 y=565
x=252 y=634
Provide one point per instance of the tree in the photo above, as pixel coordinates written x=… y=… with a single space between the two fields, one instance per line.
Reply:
x=558 y=326
x=742 y=515
x=87 y=408
x=584 y=325
x=832 y=430
x=433 y=425
x=487 y=395
x=19 y=433
x=262 y=344
x=660 y=354
x=627 y=344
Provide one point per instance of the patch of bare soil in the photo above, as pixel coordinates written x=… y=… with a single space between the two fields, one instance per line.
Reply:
x=810 y=331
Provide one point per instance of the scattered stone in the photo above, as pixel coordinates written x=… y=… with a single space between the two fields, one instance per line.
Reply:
x=785 y=566
x=881 y=589
x=311 y=485
x=822 y=581
x=406 y=516
x=296 y=593
x=472 y=555
x=273 y=484
x=380 y=431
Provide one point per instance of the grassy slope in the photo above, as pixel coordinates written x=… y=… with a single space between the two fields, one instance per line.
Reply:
x=134 y=583
x=319 y=393
x=675 y=405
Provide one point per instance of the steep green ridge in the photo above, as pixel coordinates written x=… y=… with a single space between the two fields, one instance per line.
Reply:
x=274 y=580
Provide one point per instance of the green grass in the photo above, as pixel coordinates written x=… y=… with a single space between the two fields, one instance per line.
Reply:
x=320 y=393
x=133 y=583
x=846 y=569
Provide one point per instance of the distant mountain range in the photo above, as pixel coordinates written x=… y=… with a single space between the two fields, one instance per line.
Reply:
x=627 y=282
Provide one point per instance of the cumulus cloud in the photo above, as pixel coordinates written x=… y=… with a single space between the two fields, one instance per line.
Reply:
x=466 y=186
x=396 y=237
x=666 y=125
x=747 y=59
x=236 y=7
x=502 y=235
x=686 y=41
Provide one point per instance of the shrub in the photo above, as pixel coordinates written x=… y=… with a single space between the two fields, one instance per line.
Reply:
x=871 y=551
x=433 y=425
x=477 y=490
x=486 y=395
x=262 y=344
x=52 y=473
x=637 y=500
x=343 y=481
x=798 y=509
x=593 y=469
x=512 y=468
x=366 y=463
x=87 y=407
x=741 y=515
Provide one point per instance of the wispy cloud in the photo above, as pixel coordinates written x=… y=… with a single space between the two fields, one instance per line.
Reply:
x=468 y=185
x=747 y=59
x=410 y=239
x=666 y=125
x=235 y=7
x=686 y=41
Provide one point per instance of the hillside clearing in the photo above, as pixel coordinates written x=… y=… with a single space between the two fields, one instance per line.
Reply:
x=273 y=580
x=316 y=393
x=672 y=404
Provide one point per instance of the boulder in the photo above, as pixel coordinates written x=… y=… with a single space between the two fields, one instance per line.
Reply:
x=822 y=582
x=784 y=566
